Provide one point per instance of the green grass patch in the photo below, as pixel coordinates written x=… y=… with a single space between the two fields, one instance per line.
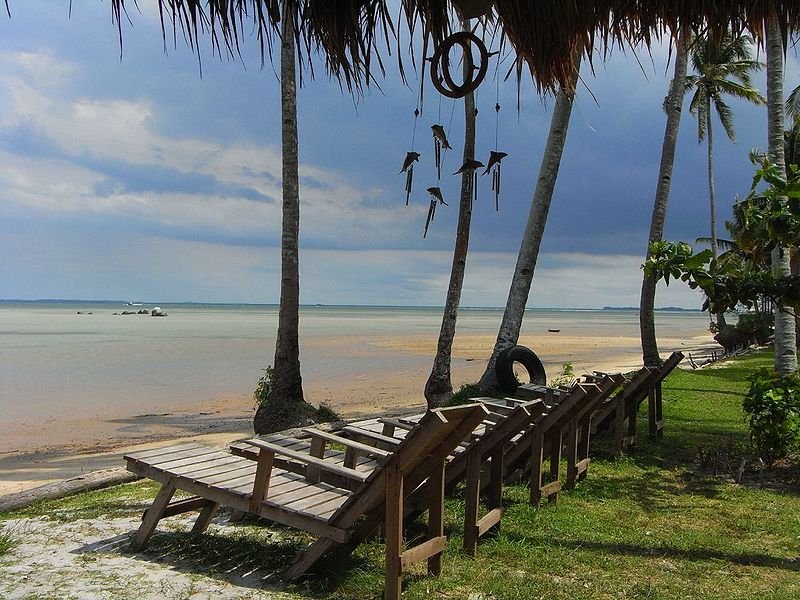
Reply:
x=7 y=540
x=653 y=524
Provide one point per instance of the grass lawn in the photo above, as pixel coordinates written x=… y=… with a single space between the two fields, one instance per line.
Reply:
x=653 y=524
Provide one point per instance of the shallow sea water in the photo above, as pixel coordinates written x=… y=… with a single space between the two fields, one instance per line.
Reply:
x=55 y=362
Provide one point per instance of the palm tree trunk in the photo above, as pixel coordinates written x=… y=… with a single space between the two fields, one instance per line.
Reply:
x=439 y=387
x=285 y=406
x=712 y=197
x=674 y=105
x=785 y=335
x=534 y=229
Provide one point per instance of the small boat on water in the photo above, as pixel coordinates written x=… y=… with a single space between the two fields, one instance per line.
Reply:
x=553 y=330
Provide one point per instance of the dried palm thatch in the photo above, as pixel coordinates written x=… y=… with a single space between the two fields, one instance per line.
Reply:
x=354 y=36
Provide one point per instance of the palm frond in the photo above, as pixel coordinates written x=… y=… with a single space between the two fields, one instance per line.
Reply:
x=793 y=105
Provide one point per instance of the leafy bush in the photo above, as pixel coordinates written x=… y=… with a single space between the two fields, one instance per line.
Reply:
x=326 y=414
x=565 y=377
x=756 y=326
x=773 y=406
x=263 y=386
x=730 y=338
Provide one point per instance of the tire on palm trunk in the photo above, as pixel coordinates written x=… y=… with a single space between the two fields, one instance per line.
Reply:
x=504 y=368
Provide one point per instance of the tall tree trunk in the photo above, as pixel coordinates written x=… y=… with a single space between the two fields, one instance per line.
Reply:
x=511 y=324
x=673 y=107
x=285 y=406
x=439 y=387
x=712 y=197
x=785 y=335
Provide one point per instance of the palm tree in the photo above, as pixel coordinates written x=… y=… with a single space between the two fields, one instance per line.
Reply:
x=285 y=405
x=673 y=105
x=514 y=312
x=723 y=66
x=439 y=387
x=785 y=332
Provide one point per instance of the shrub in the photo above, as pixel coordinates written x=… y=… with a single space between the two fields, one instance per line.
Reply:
x=756 y=326
x=7 y=541
x=263 y=386
x=730 y=338
x=565 y=377
x=773 y=406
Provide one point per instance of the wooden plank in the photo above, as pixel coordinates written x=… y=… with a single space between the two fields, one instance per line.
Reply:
x=155 y=452
x=551 y=488
x=489 y=520
x=310 y=460
x=181 y=506
x=435 y=516
x=583 y=465
x=338 y=439
x=425 y=550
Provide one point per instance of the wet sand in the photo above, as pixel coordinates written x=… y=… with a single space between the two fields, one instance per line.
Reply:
x=36 y=452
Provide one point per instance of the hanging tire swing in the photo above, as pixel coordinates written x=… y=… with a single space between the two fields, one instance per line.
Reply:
x=504 y=368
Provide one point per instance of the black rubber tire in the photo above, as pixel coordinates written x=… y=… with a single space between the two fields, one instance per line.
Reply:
x=504 y=368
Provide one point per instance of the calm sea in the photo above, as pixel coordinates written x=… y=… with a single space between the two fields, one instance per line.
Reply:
x=56 y=362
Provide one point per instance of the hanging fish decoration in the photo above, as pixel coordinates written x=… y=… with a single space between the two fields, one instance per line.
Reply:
x=439 y=143
x=494 y=166
x=472 y=166
x=408 y=168
x=436 y=196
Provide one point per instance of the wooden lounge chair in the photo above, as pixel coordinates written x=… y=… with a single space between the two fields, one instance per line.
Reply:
x=621 y=409
x=338 y=516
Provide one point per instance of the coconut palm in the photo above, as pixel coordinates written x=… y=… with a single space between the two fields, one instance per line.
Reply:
x=439 y=387
x=722 y=67
x=673 y=105
x=785 y=332
x=285 y=406
x=510 y=326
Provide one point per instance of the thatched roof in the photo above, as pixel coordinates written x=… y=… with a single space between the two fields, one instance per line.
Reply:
x=356 y=36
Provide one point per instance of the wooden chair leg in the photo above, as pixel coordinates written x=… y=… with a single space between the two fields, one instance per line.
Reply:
x=472 y=500
x=537 y=456
x=555 y=466
x=619 y=427
x=651 y=413
x=436 y=515
x=572 y=454
x=394 y=532
x=206 y=514
x=153 y=515
x=584 y=441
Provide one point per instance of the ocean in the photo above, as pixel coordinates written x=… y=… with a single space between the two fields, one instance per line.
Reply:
x=68 y=359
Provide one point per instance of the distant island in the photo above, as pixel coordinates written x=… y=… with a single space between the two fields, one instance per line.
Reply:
x=663 y=308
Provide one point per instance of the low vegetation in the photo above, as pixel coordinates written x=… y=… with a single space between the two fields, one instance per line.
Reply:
x=667 y=520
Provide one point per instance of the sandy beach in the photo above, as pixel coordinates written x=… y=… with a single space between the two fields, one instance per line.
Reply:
x=34 y=452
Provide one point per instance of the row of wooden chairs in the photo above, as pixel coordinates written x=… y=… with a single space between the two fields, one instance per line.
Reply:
x=380 y=473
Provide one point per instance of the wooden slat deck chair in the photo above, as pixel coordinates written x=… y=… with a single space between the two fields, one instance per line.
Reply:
x=579 y=427
x=622 y=409
x=338 y=516
x=478 y=461
x=530 y=450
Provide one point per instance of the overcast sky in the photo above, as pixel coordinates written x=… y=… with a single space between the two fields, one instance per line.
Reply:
x=136 y=179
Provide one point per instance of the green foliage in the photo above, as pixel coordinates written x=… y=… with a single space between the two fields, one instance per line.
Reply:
x=464 y=395
x=326 y=414
x=565 y=376
x=7 y=541
x=756 y=327
x=766 y=219
x=263 y=387
x=773 y=406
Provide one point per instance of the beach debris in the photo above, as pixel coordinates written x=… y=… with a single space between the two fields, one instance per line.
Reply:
x=439 y=143
x=408 y=169
x=436 y=197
